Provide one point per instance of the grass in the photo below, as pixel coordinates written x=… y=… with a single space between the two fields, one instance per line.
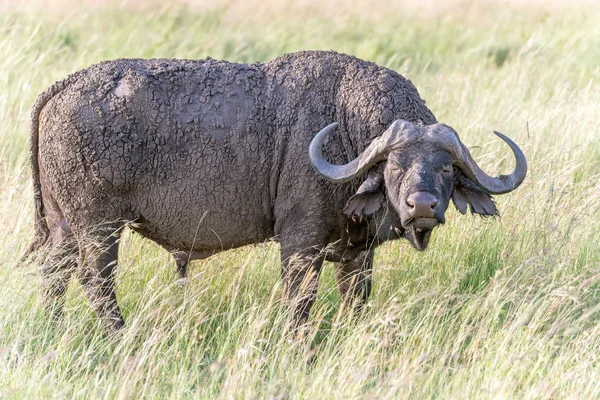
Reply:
x=505 y=308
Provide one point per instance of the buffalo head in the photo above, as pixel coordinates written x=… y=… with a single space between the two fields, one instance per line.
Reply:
x=426 y=167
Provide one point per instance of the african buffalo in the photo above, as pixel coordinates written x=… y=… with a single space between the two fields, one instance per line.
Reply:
x=203 y=156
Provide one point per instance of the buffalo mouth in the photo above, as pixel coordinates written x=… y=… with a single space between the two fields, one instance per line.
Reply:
x=418 y=231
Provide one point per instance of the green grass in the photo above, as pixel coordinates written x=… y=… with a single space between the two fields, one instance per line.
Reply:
x=505 y=308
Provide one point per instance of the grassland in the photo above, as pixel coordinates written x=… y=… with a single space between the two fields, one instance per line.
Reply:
x=506 y=308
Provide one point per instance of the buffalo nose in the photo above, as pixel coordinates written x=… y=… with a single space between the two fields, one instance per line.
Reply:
x=421 y=205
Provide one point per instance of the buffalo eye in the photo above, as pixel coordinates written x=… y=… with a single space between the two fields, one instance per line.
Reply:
x=447 y=169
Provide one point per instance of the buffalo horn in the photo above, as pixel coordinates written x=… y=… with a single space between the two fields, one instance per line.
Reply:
x=398 y=133
x=499 y=185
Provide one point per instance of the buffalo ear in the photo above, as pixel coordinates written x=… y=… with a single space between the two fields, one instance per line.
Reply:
x=368 y=198
x=466 y=193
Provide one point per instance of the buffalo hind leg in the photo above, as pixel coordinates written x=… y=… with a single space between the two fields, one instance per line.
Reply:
x=354 y=279
x=57 y=267
x=98 y=275
x=300 y=275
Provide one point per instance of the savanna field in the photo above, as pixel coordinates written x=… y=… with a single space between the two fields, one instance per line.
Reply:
x=505 y=308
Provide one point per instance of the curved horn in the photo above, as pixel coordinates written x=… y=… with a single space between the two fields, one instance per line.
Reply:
x=398 y=133
x=501 y=184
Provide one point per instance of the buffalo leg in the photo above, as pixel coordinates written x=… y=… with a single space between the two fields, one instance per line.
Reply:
x=57 y=268
x=98 y=277
x=181 y=261
x=300 y=275
x=354 y=279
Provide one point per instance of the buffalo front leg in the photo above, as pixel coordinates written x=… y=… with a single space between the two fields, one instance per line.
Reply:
x=354 y=279
x=98 y=276
x=300 y=275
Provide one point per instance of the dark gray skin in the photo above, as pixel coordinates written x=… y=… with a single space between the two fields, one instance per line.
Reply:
x=204 y=156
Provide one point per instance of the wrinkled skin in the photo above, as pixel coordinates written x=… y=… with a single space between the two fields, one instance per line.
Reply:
x=204 y=156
